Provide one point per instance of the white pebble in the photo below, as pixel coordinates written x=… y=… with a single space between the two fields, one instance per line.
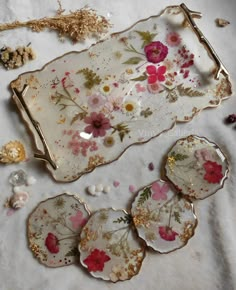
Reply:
x=92 y=189
x=106 y=189
x=31 y=180
x=99 y=187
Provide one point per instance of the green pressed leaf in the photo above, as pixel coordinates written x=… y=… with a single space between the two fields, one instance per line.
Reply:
x=188 y=91
x=178 y=156
x=127 y=219
x=177 y=217
x=72 y=253
x=122 y=130
x=91 y=77
x=146 y=36
x=79 y=116
x=133 y=60
x=145 y=195
x=141 y=78
x=146 y=113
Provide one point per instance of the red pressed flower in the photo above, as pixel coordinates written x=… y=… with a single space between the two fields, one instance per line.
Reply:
x=213 y=172
x=167 y=233
x=96 y=260
x=98 y=124
x=156 y=51
x=52 y=243
x=155 y=74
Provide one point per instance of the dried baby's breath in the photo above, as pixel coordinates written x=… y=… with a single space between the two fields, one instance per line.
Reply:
x=77 y=25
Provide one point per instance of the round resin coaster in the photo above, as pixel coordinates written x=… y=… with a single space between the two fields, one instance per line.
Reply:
x=110 y=248
x=54 y=228
x=163 y=219
x=196 y=166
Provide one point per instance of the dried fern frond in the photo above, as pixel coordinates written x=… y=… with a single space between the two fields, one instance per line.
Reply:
x=77 y=25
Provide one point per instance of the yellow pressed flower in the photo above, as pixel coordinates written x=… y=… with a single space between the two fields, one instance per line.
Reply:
x=108 y=141
x=12 y=152
x=105 y=89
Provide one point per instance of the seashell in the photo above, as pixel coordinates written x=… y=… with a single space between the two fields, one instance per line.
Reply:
x=18 y=200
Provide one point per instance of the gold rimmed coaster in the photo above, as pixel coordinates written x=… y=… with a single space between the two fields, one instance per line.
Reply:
x=54 y=228
x=164 y=219
x=197 y=167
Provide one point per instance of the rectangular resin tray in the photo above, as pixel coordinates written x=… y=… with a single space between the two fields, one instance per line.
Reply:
x=86 y=108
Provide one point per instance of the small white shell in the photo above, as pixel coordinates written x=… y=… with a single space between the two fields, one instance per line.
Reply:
x=106 y=189
x=99 y=187
x=18 y=200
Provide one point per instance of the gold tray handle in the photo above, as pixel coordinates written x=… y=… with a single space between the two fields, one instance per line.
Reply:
x=190 y=15
x=43 y=156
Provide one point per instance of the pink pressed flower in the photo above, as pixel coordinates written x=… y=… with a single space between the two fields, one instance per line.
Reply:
x=156 y=51
x=166 y=233
x=159 y=192
x=155 y=74
x=213 y=172
x=52 y=243
x=154 y=88
x=173 y=39
x=95 y=101
x=140 y=88
x=75 y=146
x=98 y=124
x=78 y=220
x=203 y=155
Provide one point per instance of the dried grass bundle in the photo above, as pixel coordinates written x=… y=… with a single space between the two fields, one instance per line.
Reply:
x=77 y=25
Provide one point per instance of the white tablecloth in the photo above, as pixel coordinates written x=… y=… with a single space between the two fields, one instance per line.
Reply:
x=209 y=259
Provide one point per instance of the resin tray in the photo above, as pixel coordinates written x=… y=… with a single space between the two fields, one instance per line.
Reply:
x=86 y=108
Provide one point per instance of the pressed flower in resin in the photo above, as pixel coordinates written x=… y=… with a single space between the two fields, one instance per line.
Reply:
x=97 y=124
x=156 y=51
x=96 y=260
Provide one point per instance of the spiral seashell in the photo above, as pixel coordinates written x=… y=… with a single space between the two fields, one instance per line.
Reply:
x=18 y=200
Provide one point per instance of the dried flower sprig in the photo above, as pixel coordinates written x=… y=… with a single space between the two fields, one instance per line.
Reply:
x=12 y=152
x=11 y=58
x=77 y=25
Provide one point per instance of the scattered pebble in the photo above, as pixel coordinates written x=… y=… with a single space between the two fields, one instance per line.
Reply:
x=116 y=183
x=106 y=189
x=92 y=189
x=231 y=119
x=220 y=22
x=17 y=189
x=99 y=187
x=31 y=180
x=18 y=178
x=132 y=188
x=151 y=166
